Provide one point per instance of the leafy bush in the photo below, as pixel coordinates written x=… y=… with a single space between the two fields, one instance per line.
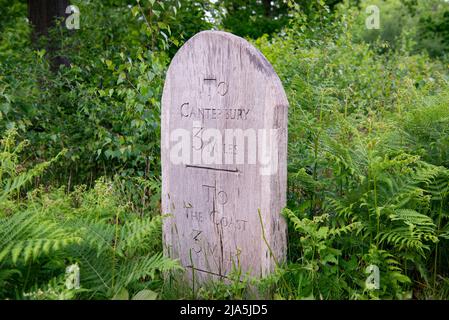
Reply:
x=115 y=248
x=368 y=172
x=368 y=164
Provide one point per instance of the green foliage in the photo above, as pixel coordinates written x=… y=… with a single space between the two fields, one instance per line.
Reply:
x=248 y=18
x=255 y=18
x=115 y=248
x=413 y=25
x=368 y=173
x=105 y=107
x=368 y=166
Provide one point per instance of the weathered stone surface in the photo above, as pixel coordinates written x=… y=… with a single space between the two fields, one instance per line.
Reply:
x=223 y=195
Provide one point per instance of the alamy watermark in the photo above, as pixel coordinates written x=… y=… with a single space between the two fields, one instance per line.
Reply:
x=72 y=277
x=73 y=20
x=373 y=20
x=215 y=148
x=373 y=280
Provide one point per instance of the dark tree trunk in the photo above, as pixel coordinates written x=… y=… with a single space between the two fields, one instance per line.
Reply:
x=267 y=8
x=43 y=14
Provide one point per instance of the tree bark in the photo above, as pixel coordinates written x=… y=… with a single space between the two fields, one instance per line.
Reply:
x=267 y=8
x=43 y=15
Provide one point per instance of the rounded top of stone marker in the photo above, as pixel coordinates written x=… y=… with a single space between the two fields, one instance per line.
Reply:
x=211 y=41
x=256 y=58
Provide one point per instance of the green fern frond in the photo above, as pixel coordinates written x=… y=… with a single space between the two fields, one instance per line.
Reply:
x=27 y=236
x=412 y=217
x=131 y=270
x=407 y=237
x=355 y=226
x=134 y=233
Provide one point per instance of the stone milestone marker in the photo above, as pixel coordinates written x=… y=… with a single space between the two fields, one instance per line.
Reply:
x=224 y=149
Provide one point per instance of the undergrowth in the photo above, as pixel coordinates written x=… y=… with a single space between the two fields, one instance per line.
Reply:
x=368 y=162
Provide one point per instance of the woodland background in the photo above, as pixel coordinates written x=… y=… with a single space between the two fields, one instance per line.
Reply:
x=368 y=156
